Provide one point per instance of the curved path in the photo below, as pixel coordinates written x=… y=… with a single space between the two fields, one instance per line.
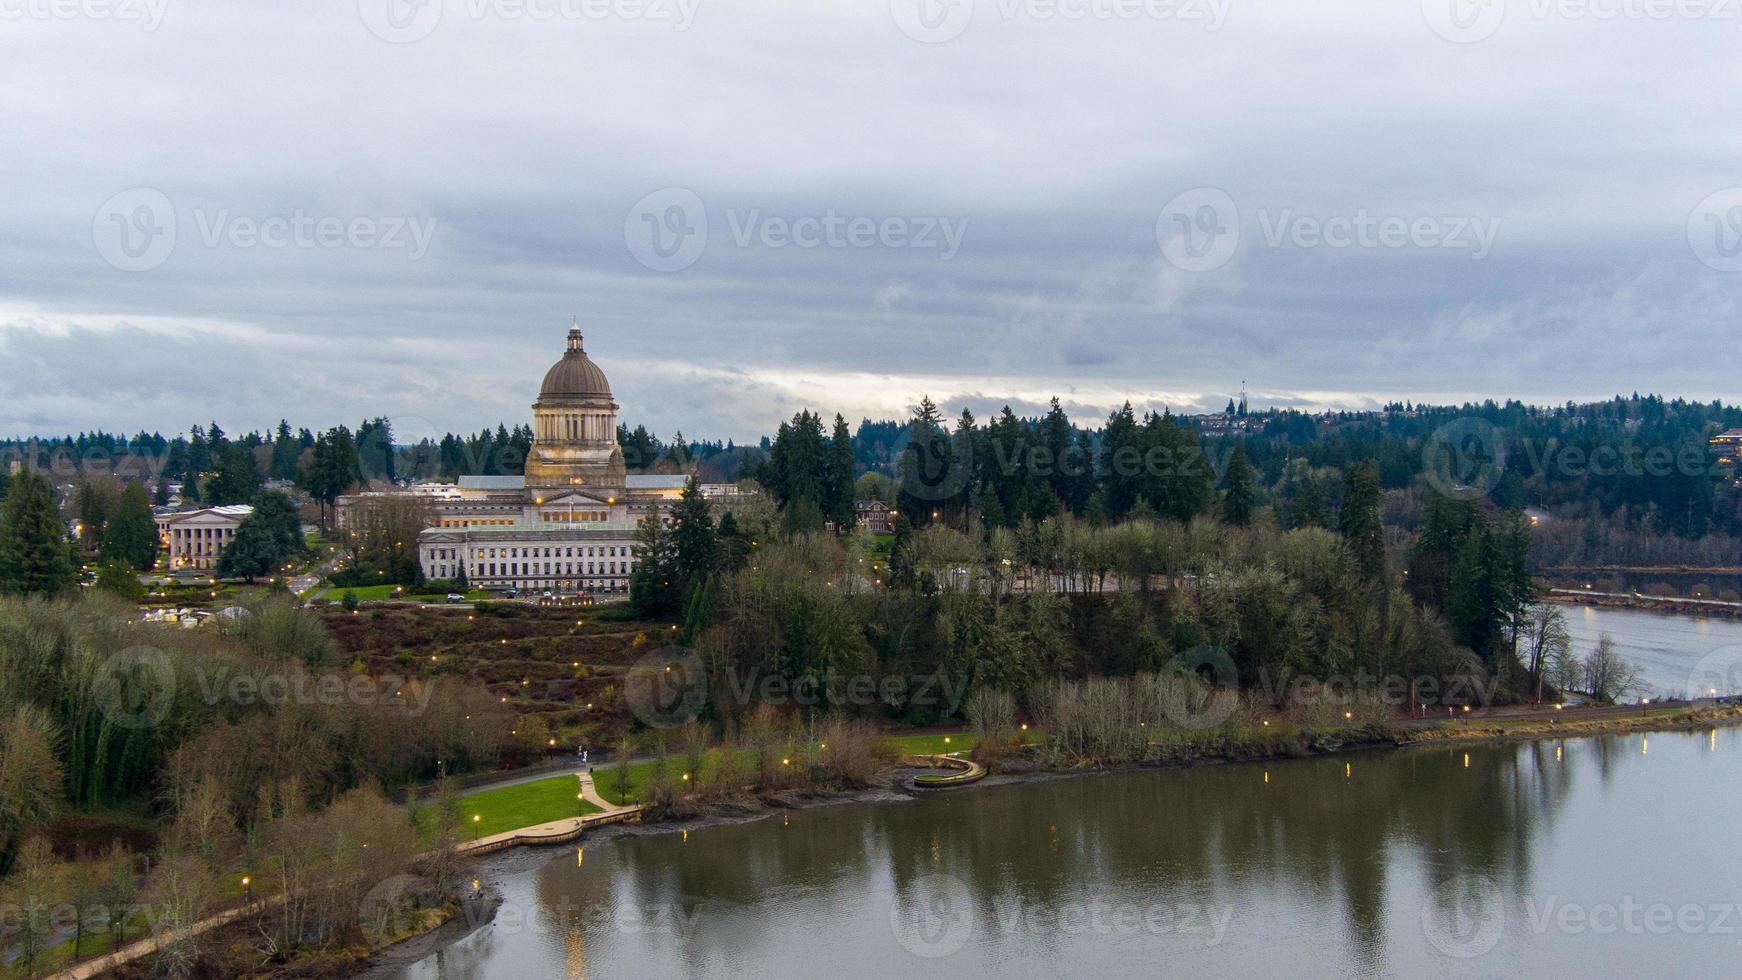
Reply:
x=557 y=831
x=963 y=771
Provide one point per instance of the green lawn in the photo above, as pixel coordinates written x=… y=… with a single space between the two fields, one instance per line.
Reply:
x=522 y=805
x=935 y=744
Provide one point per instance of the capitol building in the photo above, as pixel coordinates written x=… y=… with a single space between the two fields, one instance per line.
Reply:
x=566 y=526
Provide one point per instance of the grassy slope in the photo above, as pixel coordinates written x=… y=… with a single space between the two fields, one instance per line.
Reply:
x=524 y=805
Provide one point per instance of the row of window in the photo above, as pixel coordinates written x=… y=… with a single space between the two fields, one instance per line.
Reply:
x=544 y=569
x=572 y=551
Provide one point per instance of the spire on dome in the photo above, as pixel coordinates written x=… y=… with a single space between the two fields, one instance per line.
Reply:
x=575 y=335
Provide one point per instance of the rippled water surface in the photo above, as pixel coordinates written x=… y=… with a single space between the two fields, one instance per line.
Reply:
x=1615 y=856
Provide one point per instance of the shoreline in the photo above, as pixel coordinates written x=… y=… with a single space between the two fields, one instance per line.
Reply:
x=1668 y=605
x=1303 y=746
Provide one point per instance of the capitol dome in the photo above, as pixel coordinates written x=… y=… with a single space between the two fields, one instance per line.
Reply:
x=574 y=426
x=575 y=376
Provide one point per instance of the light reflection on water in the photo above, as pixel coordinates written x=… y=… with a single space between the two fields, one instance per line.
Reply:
x=1404 y=863
x=1666 y=647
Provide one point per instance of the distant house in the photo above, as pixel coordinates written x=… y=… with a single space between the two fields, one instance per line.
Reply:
x=1728 y=446
x=874 y=516
x=1222 y=423
x=194 y=538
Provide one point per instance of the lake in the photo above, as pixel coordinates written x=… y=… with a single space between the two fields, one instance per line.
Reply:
x=1675 y=653
x=1613 y=856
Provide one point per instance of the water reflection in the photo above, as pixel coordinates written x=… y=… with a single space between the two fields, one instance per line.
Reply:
x=1360 y=866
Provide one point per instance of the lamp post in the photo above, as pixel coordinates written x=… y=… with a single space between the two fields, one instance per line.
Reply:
x=476 y=818
x=247 y=890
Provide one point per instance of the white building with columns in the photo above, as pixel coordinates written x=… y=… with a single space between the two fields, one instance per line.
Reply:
x=568 y=525
x=195 y=538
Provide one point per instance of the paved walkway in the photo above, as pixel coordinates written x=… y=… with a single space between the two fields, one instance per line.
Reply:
x=965 y=771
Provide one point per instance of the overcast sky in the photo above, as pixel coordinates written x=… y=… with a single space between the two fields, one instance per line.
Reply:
x=327 y=209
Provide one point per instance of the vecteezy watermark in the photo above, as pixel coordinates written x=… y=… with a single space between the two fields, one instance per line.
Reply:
x=148 y=14
x=1366 y=230
x=302 y=230
x=407 y=21
x=563 y=916
x=1717 y=675
x=935 y=917
x=274 y=689
x=666 y=687
x=934 y=467
x=1199 y=230
x=1466 y=917
x=135 y=688
x=1464 y=21
x=667 y=231
x=1469 y=21
x=1715 y=230
x=1209 y=703
x=938 y=21
x=137 y=230
x=1464 y=459
x=831 y=229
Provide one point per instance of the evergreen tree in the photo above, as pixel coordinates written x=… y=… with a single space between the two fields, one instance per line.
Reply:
x=264 y=541
x=1311 y=509
x=694 y=538
x=802 y=516
x=1121 y=465
x=118 y=578
x=1066 y=465
x=931 y=475
x=235 y=477
x=1473 y=607
x=131 y=537
x=35 y=556
x=1362 y=526
x=332 y=469
x=1175 y=475
x=838 y=482
x=734 y=545
x=1237 y=498
x=653 y=584
x=901 y=553
x=285 y=452
x=91 y=503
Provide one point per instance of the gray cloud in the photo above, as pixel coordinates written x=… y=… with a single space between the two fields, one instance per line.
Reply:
x=1053 y=145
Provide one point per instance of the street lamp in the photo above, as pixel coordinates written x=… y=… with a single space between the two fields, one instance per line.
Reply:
x=476 y=818
x=247 y=890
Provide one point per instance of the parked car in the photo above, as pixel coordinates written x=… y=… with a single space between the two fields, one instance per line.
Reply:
x=456 y=597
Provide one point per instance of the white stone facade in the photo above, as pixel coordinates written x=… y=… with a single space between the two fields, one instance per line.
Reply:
x=195 y=538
